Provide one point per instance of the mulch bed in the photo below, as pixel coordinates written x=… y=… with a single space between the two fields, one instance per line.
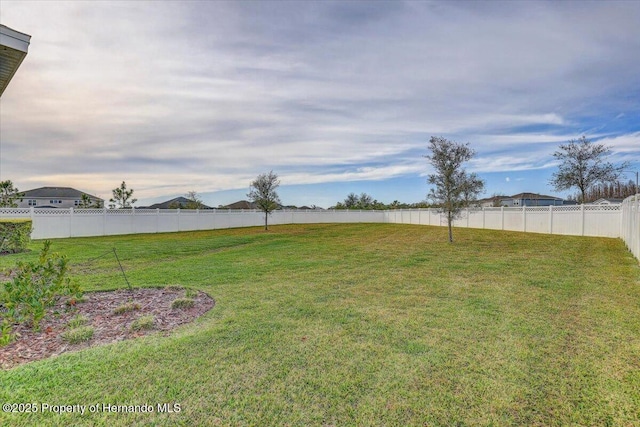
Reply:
x=98 y=308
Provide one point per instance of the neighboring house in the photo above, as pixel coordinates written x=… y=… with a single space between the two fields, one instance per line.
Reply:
x=490 y=202
x=607 y=202
x=56 y=197
x=519 y=200
x=177 y=203
x=531 y=199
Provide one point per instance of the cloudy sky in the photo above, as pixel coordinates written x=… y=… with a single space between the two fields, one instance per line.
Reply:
x=335 y=97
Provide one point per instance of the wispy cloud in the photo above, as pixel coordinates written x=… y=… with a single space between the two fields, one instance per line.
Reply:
x=174 y=96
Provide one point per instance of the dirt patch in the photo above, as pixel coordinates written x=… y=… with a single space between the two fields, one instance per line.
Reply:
x=99 y=309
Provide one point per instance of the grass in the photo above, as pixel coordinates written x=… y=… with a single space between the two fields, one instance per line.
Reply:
x=183 y=303
x=359 y=324
x=77 y=321
x=78 y=334
x=126 y=307
x=143 y=322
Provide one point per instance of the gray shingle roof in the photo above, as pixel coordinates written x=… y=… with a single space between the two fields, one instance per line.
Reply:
x=57 y=192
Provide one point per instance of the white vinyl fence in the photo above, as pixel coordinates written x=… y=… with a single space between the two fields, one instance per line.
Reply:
x=630 y=227
x=583 y=220
x=62 y=223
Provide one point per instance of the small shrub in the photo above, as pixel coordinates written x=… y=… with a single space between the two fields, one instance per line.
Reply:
x=78 y=335
x=77 y=321
x=144 y=322
x=15 y=235
x=5 y=333
x=127 y=307
x=35 y=286
x=183 y=303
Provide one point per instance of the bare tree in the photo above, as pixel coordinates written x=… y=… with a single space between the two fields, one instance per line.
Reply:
x=122 y=197
x=263 y=193
x=582 y=165
x=454 y=187
x=9 y=195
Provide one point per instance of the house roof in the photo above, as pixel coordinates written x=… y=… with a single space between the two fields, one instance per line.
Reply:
x=57 y=193
x=492 y=199
x=532 y=196
x=13 y=50
x=241 y=204
x=169 y=204
x=610 y=200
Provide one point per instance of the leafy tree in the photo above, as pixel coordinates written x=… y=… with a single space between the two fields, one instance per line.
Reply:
x=87 y=203
x=582 y=165
x=194 y=201
x=9 y=195
x=263 y=193
x=122 y=197
x=351 y=201
x=365 y=201
x=454 y=187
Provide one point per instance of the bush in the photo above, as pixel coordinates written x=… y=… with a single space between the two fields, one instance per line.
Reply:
x=15 y=235
x=35 y=286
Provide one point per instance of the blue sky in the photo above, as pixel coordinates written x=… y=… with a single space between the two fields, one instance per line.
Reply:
x=335 y=97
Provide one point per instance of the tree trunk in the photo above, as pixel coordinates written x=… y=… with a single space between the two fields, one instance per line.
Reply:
x=266 y=214
x=449 y=220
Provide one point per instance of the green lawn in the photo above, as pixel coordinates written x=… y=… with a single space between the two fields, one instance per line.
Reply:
x=359 y=324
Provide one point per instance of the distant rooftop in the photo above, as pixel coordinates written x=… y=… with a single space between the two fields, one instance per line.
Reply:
x=13 y=49
x=57 y=193
x=178 y=202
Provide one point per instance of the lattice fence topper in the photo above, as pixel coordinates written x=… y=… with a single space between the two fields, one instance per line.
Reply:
x=51 y=212
x=15 y=211
x=88 y=211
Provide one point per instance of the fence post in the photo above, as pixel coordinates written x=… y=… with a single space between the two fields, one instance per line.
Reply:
x=502 y=214
x=550 y=219
x=104 y=221
x=484 y=218
x=582 y=219
x=157 y=220
x=524 y=218
x=70 y=221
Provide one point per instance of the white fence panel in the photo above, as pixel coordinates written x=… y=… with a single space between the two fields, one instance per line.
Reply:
x=567 y=220
x=630 y=227
x=536 y=219
x=602 y=220
x=493 y=218
x=513 y=219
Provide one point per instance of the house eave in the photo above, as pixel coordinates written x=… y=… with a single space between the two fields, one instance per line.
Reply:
x=14 y=46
